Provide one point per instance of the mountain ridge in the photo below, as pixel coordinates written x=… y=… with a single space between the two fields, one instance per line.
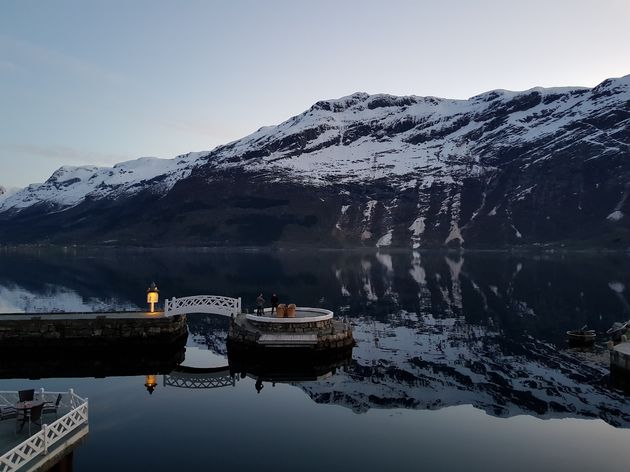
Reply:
x=398 y=171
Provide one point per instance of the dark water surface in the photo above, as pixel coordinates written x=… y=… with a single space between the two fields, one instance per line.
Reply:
x=460 y=363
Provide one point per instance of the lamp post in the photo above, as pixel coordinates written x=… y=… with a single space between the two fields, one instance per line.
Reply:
x=151 y=383
x=152 y=296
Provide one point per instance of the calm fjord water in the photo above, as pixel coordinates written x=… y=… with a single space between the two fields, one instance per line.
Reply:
x=460 y=361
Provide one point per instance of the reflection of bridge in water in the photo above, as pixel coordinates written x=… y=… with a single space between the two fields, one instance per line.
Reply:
x=285 y=368
x=201 y=377
x=197 y=377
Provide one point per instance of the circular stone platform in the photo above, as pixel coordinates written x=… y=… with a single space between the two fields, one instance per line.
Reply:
x=302 y=315
x=311 y=327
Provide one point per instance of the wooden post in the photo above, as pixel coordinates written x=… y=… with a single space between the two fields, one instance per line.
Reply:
x=45 y=430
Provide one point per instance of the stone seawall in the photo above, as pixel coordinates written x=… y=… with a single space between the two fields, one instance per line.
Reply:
x=324 y=325
x=41 y=331
x=331 y=334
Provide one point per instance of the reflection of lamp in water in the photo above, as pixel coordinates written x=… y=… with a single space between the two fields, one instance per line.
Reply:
x=152 y=296
x=151 y=383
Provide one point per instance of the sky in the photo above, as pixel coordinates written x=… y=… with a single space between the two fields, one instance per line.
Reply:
x=105 y=81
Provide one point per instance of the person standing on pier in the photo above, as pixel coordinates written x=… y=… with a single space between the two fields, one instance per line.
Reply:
x=260 y=303
x=274 y=302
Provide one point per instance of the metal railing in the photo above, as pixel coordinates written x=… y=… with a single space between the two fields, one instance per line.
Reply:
x=50 y=434
x=213 y=304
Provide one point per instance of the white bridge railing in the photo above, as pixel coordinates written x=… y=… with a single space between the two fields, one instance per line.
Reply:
x=50 y=435
x=213 y=304
x=217 y=379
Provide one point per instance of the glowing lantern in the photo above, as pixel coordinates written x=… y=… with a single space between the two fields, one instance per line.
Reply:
x=150 y=383
x=152 y=296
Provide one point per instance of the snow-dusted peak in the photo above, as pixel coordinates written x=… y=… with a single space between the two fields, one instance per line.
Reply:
x=140 y=162
x=360 y=101
x=341 y=104
x=70 y=185
x=66 y=175
x=614 y=85
x=503 y=94
x=363 y=136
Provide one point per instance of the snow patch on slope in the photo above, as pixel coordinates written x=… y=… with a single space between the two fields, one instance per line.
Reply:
x=615 y=216
x=417 y=228
x=385 y=240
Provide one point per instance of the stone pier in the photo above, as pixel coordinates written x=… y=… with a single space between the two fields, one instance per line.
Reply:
x=21 y=330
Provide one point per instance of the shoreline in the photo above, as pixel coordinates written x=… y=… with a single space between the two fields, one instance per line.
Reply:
x=532 y=249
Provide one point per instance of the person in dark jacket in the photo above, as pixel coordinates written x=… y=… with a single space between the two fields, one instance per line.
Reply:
x=274 y=303
x=260 y=303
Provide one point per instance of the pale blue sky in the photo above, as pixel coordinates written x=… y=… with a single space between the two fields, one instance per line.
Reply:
x=98 y=82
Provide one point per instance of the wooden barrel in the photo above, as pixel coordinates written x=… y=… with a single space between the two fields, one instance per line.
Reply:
x=291 y=310
x=281 y=311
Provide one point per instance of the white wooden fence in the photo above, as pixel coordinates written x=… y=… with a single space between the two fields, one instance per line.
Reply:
x=50 y=435
x=213 y=304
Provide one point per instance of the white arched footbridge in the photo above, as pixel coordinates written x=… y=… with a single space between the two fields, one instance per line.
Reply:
x=211 y=304
x=195 y=377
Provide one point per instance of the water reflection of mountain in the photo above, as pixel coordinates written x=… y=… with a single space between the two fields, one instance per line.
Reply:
x=426 y=363
x=210 y=332
x=541 y=295
x=479 y=328
x=420 y=362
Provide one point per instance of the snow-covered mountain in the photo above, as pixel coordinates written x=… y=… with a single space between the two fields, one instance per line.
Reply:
x=72 y=185
x=501 y=168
